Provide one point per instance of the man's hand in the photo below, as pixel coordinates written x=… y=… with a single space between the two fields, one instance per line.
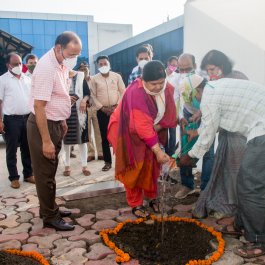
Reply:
x=162 y=157
x=183 y=123
x=196 y=117
x=64 y=127
x=48 y=150
x=158 y=127
x=192 y=134
x=2 y=126
x=83 y=106
x=73 y=99
x=185 y=161
x=107 y=110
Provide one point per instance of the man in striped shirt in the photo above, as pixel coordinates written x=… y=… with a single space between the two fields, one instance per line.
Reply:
x=238 y=106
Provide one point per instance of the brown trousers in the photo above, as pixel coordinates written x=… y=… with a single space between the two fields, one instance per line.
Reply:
x=44 y=168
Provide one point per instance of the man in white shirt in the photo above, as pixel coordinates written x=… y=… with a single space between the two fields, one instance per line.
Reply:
x=31 y=61
x=14 y=108
x=173 y=79
x=238 y=106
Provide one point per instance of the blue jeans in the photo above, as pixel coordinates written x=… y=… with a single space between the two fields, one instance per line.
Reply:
x=187 y=178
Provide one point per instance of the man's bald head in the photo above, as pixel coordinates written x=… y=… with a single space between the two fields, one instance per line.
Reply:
x=186 y=63
x=67 y=45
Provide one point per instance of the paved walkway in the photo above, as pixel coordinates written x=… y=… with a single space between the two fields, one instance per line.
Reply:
x=21 y=227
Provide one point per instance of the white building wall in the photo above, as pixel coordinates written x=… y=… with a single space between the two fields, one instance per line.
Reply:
x=232 y=26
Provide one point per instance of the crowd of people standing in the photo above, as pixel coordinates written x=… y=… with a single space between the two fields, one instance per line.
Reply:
x=60 y=102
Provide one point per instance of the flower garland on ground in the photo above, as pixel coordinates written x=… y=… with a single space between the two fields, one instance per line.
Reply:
x=124 y=257
x=30 y=254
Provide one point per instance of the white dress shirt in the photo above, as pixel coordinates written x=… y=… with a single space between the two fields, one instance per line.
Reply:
x=15 y=94
x=234 y=105
x=29 y=74
x=173 y=79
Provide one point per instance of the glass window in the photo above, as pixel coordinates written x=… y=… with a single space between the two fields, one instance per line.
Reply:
x=49 y=41
x=71 y=25
x=38 y=41
x=60 y=27
x=26 y=26
x=81 y=28
x=38 y=26
x=4 y=24
x=15 y=26
x=49 y=27
x=28 y=38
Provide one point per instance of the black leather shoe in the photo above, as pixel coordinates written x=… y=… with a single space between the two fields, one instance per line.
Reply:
x=61 y=213
x=59 y=225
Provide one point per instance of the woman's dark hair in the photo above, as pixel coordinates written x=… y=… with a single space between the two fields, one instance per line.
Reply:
x=219 y=59
x=153 y=70
x=30 y=56
x=171 y=58
x=102 y=57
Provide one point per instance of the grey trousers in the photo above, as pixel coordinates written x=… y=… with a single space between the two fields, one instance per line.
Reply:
x=251 y=191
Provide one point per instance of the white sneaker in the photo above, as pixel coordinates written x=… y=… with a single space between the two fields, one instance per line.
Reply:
x=183 y=192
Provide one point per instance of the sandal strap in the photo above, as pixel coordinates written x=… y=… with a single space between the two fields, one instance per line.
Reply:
x=140 y=208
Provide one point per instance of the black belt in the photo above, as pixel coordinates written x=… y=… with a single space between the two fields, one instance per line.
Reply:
x=17 y=116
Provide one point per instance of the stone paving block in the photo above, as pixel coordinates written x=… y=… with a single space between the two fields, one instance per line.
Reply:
x=230 y=243
x=183 y=208
x=14 y=244
x=64 y=246
x=57 y=261
x=33 y=200
x=109 y=260
x=60 y=201
x=24 y=217
x=13 y=196
x=209 y=222
x=86 y=220
x=77 y=231
x=230 y=258
x=44 y=241
x=42 y=231
x=68 y=220
x=73 y=211
x=12 y=201
x=22 y=237
x=124 y=217
x=98 y=251
x=24 y=206
x=104 y=224
x=89 y=236
x=8 y=210
x=125 y=210
x=182 y=214
x=35 y=211
x=107 y=214
x=22 y=228
x=9 y=222
x=34 y=247
x=76 y=256
x=226 y=221
x=2 y=216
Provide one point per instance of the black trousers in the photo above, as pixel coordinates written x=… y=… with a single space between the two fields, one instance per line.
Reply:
x=16 y=135
x=103 y=122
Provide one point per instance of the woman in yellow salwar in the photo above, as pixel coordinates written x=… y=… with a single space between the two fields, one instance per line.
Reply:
x=137 y=129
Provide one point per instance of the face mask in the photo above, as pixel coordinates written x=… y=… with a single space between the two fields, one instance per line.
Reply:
x=17 y=70
x=172 y=68
x=104 y=69
x=70 y=63
x=142 y=63
x=31 y=67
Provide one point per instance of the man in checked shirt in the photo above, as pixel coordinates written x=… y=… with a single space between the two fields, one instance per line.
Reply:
x=238 y=106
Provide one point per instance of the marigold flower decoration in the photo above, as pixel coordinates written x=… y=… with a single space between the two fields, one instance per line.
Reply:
x=30 y=254
x=121 y=256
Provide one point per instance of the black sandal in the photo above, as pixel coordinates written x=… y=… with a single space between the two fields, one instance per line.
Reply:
x=141 y=209
x=106 y=167
x=155 y=205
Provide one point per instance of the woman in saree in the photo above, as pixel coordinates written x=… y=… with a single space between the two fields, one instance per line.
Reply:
x=137 y=130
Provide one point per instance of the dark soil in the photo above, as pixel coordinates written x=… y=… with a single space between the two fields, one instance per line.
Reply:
x=182 y=242
x=9 y=259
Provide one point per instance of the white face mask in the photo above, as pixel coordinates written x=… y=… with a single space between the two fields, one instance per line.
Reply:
x=142 y=63
x=17 y=70
x=70 y=63
x=104 y=69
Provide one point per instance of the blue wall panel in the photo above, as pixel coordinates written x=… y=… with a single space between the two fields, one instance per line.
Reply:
x=41 y=34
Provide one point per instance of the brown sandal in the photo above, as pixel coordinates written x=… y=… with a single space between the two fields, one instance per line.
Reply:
x=86 y=172
x=248 y=251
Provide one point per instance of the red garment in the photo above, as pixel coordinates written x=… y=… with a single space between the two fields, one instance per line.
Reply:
x=131 y=133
